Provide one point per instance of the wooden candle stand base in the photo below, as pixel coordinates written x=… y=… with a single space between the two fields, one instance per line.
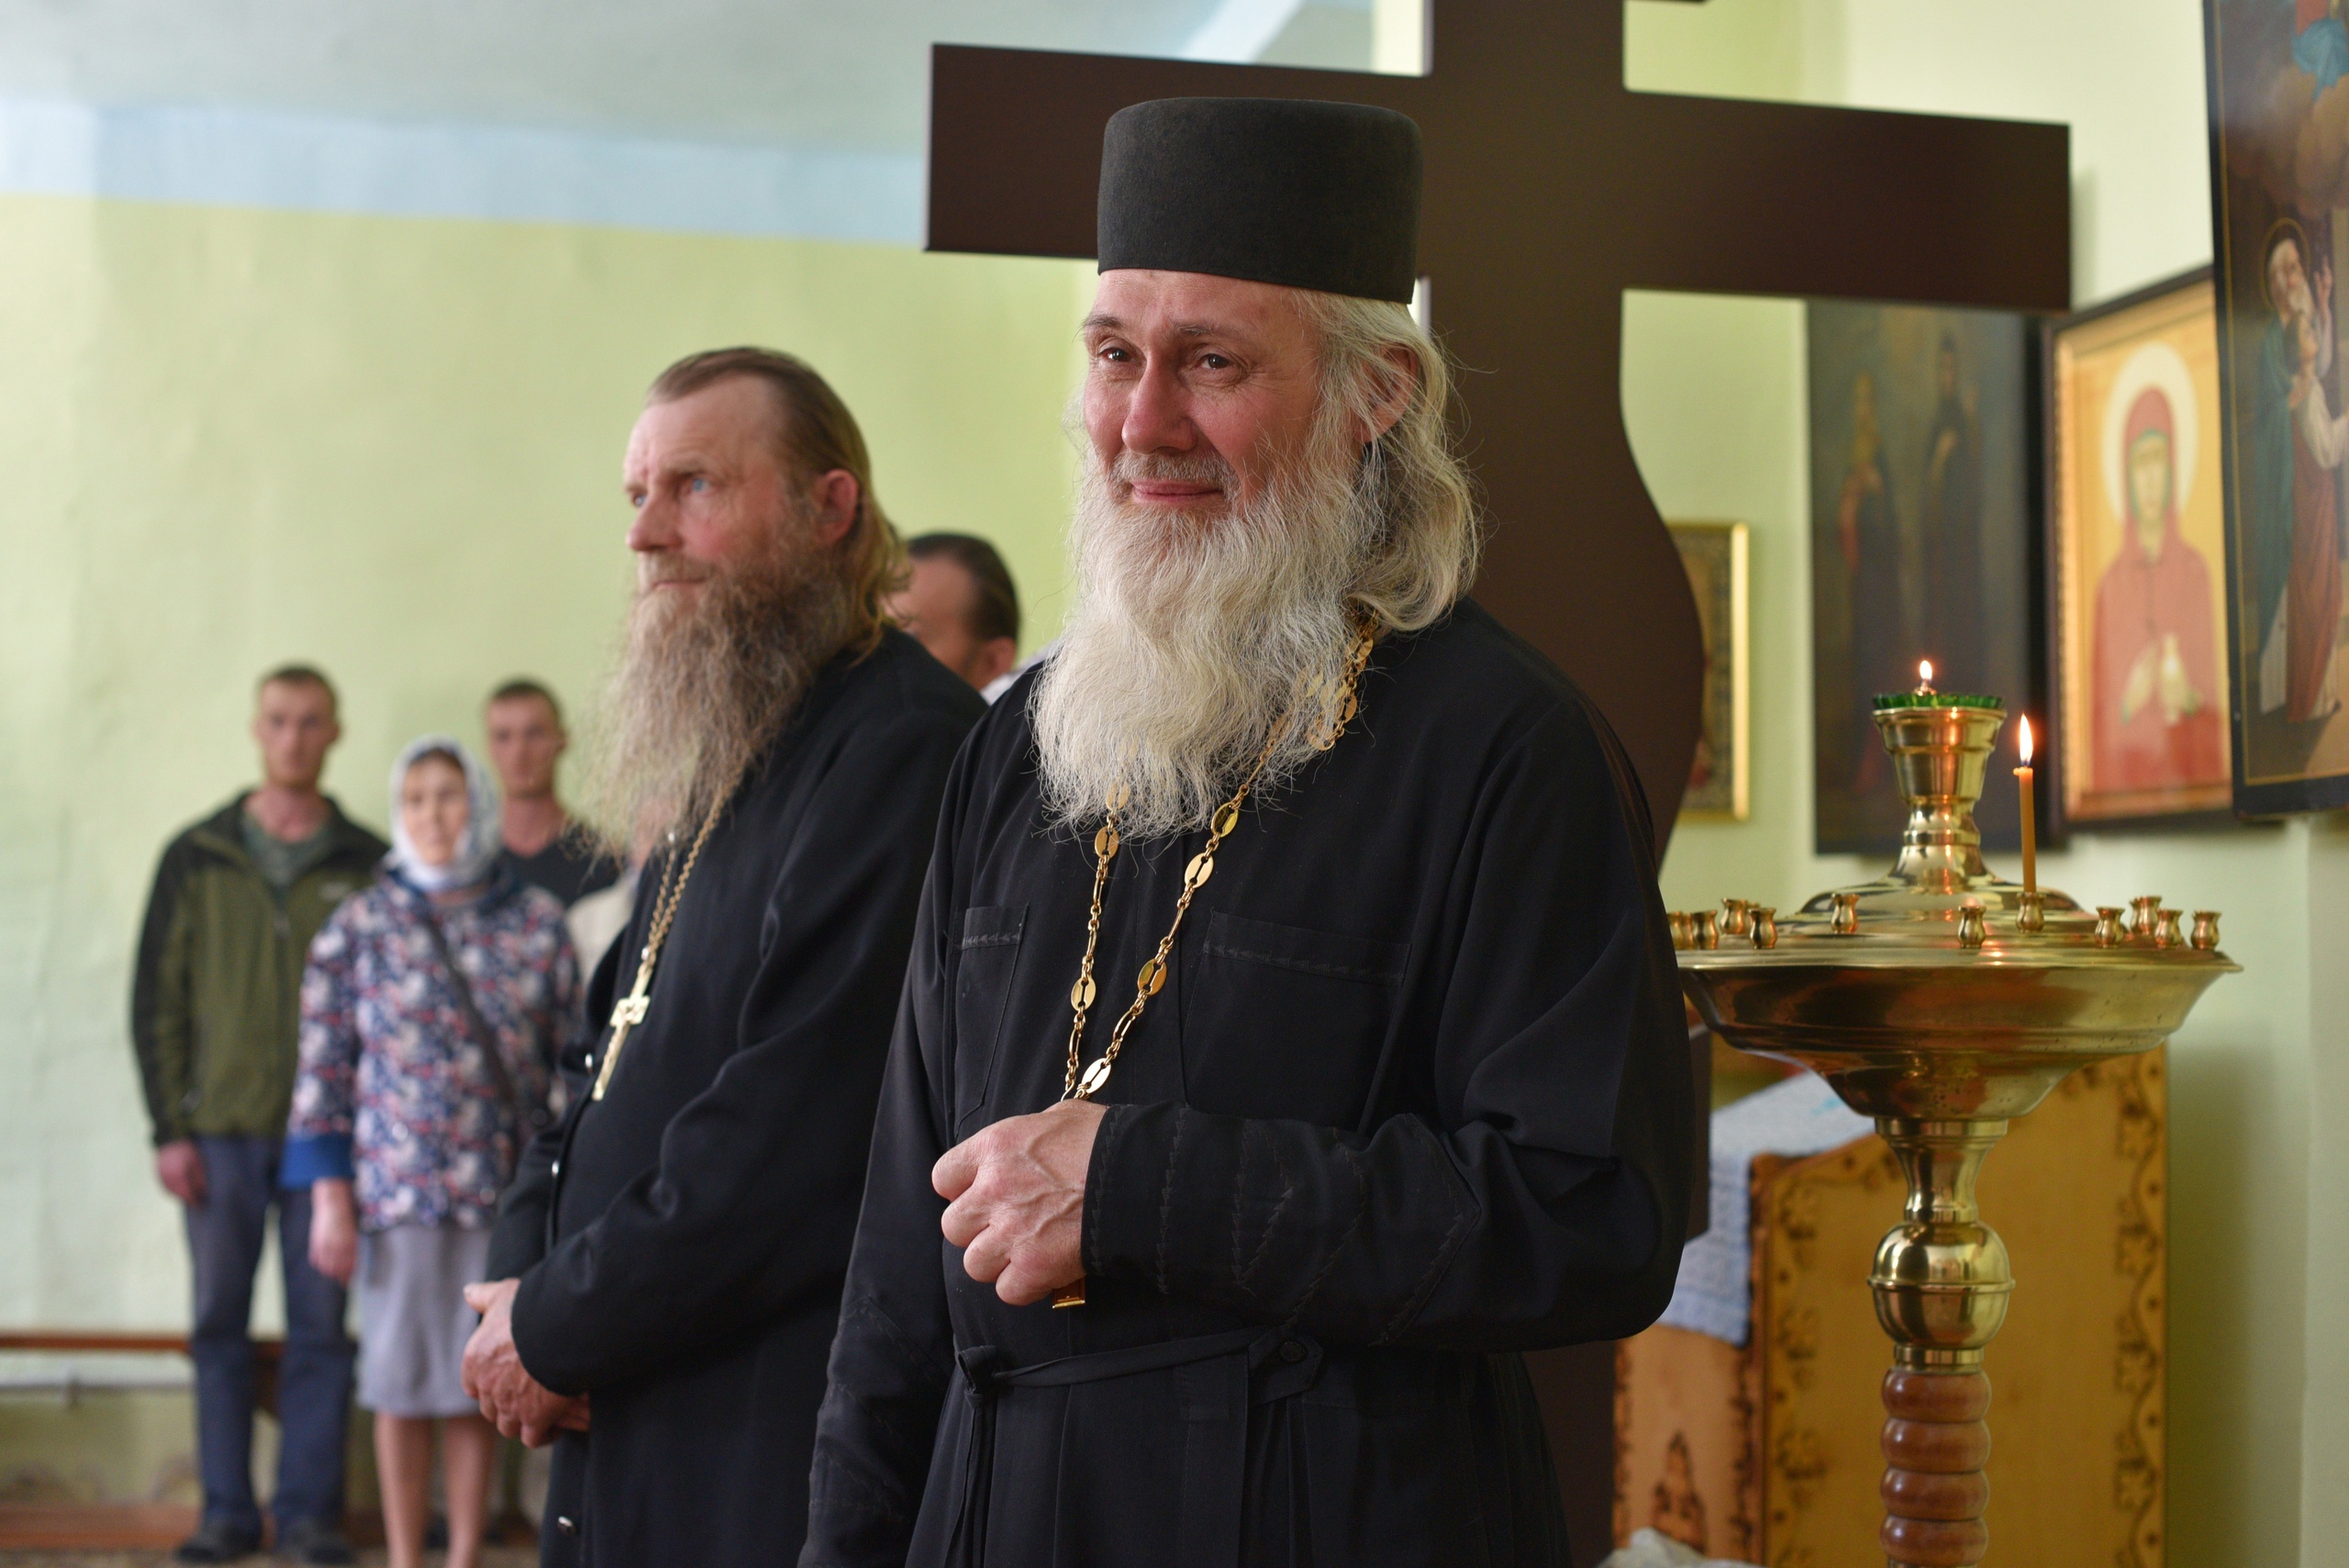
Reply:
x=1936 y=1445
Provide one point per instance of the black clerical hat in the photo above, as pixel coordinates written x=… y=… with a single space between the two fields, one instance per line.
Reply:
x=1280 y=190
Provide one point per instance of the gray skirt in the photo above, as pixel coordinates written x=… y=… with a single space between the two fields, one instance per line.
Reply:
x=413 y=1320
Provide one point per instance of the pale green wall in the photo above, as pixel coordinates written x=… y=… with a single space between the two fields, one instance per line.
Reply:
x=1714 y=400
x=391 y=446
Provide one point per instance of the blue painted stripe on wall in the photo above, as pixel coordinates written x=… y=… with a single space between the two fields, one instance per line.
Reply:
x=318 y=163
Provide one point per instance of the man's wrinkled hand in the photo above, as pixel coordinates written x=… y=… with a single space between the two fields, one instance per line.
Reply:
x=1014 y=1196
x=512 y=1400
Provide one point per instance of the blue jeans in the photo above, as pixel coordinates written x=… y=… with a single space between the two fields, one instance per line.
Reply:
x=224 y=1236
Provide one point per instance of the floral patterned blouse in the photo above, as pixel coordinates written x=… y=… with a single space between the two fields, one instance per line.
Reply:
x=392 y=1093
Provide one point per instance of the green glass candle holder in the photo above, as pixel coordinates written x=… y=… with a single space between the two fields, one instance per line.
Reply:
x=1936 y=699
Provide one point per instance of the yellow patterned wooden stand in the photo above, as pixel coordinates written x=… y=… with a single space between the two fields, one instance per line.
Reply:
x=1768 y=1453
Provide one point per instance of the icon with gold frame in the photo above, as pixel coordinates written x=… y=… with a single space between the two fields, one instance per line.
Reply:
x=1720 y=779
x=2136 y=559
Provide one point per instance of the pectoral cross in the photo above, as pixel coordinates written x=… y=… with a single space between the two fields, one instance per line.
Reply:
x=626 y=1013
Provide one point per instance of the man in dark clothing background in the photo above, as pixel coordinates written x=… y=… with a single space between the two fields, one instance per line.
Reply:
x=960 y=603
x=667 y=1264
x=214 y=1005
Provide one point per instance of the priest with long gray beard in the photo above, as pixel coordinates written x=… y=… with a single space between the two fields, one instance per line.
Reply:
x=668 y=1261
x=1292 y=1036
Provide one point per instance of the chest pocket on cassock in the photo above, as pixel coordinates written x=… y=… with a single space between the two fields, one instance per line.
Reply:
x=984 y=967
x=1280 y=1021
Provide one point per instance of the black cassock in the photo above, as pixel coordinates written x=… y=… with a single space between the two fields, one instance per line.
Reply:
x=681 y=1242
x=1416 y=1098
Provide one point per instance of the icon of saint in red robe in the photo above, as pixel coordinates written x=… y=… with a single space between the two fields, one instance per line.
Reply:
x=2156 y=678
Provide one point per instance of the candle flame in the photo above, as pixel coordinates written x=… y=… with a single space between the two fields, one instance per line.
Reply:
x=1924 y=671
x=2024 y=744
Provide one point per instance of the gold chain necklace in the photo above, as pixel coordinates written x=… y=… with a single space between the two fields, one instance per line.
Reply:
x=1153 y=978
x=630 y=1010
x=1335 y=717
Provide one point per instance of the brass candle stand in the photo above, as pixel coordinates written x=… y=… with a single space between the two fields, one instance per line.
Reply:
x=1945 y=1003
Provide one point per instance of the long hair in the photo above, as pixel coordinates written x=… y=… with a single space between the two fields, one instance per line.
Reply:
x=1427 y=556
x=814 y=435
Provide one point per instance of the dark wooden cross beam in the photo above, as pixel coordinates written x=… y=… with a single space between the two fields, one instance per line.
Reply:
x=1550 y=189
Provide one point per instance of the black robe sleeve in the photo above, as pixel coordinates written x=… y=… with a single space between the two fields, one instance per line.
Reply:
x=892 y=1356
x=752 y=1202
x=1545 y=1204
x=520 y=1238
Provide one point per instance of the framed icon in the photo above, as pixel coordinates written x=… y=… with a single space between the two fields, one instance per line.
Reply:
x=2280 y=212
x=1923 y=541
x=1719 y=778
x=2136 y=556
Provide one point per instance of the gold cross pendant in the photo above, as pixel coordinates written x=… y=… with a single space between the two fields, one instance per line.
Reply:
x=626 y=1013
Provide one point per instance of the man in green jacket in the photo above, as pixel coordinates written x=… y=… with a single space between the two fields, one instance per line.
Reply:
x=213 y=1015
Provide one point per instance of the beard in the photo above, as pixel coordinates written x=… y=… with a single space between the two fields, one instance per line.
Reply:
x=704 y=684
x=1193 y=636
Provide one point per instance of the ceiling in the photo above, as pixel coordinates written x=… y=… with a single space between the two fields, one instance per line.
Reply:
x=825 y=73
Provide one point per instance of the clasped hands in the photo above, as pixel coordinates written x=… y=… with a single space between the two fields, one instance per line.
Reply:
x=518 y=1404
x=1015 y=1200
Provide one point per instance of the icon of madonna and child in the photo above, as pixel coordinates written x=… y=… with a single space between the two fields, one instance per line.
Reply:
x=2293 y=537
x=2279 y=117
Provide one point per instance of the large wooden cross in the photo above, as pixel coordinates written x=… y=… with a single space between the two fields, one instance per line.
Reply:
x=1550 y=189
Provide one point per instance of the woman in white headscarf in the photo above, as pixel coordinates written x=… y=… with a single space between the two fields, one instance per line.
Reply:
x=433 y=1009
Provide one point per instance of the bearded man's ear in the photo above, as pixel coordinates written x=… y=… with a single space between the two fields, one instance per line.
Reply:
x=837 y=496
x=1397 y=388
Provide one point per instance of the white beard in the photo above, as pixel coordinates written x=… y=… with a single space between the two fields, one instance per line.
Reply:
x=1192 y=636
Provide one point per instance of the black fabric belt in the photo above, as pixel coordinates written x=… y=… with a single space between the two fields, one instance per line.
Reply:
x=1221 y=1377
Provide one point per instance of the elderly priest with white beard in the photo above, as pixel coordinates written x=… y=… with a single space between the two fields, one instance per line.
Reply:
x=1291 y=1036
x=668 y=1261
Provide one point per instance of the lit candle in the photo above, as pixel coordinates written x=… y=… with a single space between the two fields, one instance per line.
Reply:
x=1924 y=677
x=2030 y=827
